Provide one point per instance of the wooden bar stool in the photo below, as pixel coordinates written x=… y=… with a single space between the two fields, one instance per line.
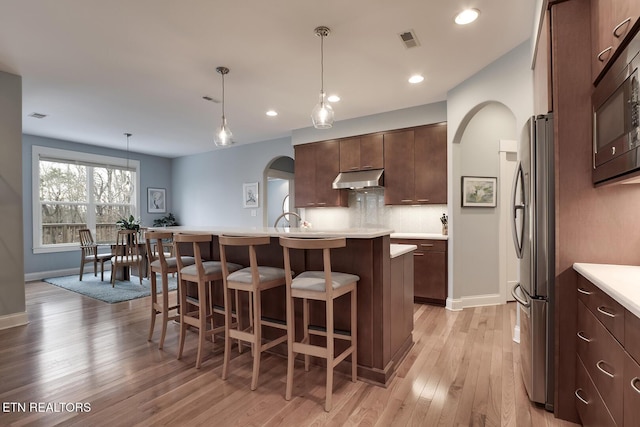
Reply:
x=202 y=273
x=325 y=286
x=162 y=263
x=254 y=280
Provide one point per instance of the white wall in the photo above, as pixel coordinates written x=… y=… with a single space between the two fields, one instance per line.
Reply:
x=494 y=104
x=12 y=298
x=209 y=185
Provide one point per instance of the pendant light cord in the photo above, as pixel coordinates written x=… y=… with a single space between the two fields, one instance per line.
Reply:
x=223 y=95
x=322 y=65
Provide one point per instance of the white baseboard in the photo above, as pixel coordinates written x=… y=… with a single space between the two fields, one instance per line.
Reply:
x=13 y=320
x=473 y=301
x=29 y=277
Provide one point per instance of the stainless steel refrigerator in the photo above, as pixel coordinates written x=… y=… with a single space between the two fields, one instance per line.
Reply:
x=534 y=238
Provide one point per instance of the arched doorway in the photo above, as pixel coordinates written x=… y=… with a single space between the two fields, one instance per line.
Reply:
x=279 y=190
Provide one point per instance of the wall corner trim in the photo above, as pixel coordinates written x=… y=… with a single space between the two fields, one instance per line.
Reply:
x=13 y=320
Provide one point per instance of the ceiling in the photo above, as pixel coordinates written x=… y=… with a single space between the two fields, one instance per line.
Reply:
x=100 y=68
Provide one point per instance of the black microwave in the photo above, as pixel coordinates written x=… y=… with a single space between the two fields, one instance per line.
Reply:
x=616 y=118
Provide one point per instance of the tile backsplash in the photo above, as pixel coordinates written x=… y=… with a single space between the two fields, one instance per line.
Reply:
x=367 y=210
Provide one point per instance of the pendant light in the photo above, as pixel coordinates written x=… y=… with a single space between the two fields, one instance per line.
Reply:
x=127 y=134
x=322 y=113
x=223 y=136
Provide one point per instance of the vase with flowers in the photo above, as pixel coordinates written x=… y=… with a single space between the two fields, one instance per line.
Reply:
x=444 y=219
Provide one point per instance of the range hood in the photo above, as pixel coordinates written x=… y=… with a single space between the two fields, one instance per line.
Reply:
x=358 y=179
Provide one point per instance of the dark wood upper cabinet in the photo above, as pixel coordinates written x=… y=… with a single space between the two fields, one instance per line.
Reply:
x=399 y=168
x=305 y=175
x=361 y=153
x=415 y=166
x=611 y=23
x=430 y=160
x=316 y=166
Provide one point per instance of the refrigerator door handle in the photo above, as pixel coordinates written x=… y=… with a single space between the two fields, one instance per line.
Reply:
x=517 y=297
x=518 y=235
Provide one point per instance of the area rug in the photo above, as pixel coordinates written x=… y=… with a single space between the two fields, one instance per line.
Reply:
x=101 y=290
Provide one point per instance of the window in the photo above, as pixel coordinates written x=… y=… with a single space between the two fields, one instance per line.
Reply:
x=73 y=190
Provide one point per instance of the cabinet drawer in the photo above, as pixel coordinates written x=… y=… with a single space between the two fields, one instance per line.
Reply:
x=631 y=391
x=603 y=358
x=591 y=408
x=424 y=245
x=605 y=308
x=632 y=335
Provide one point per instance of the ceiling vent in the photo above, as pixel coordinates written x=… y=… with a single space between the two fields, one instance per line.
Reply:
x=409 y=39
x=37 y=115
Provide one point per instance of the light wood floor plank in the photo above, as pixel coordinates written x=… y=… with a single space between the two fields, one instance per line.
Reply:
x=463 y=370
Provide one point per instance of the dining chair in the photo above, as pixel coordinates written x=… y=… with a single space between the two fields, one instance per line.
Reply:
x=324 y=285
x=126 y=254
x=90 y=254
x=163 y=263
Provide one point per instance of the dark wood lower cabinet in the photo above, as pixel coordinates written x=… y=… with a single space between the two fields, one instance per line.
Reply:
x=591 y=408
x=430 y=270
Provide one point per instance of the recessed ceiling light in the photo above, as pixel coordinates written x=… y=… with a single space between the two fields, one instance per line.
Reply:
x=467 y=16
x=272 y=113
x=333 y=98
x=416 y=78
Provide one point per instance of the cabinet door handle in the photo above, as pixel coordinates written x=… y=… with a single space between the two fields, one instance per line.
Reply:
x=423 y=200
x=602 y=309
x=633 y=384
x=584 y=291
x=580 y=398
x=620 y=25
x=321 y=203
x=406 y=200
x=426 y=245
x=353 y=168
x=601 y=54
x=367 y=167
x=582 y=337
x=604 y=371
x=418 y=254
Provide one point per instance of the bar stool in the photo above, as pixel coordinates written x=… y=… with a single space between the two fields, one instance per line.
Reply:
x=254 y=280
x=201 y=273
x=325 y=286
x=164 y=264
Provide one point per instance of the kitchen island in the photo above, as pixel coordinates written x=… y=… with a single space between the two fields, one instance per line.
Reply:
x=383 y=342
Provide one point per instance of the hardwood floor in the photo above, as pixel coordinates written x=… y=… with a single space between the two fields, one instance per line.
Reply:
x=462 y=370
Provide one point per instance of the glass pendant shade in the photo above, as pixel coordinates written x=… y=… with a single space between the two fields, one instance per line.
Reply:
x=223 y=136
x=322 y=114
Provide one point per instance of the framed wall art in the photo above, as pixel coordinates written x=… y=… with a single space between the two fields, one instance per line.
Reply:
x=479 y=191
x=250 y=195
x=156 y=200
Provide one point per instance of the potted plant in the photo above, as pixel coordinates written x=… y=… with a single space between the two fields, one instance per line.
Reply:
x=165 y=221
x=129 y=223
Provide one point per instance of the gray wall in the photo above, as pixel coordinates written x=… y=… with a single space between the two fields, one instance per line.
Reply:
x=12 y=300
x=209 y=185
x=477 y=229
x=154 y=172
x=507 y=81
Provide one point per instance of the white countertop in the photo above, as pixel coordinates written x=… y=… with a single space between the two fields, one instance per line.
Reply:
x=397 y=249
x=350 y=233
x=620 y=282
x=432 y=236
